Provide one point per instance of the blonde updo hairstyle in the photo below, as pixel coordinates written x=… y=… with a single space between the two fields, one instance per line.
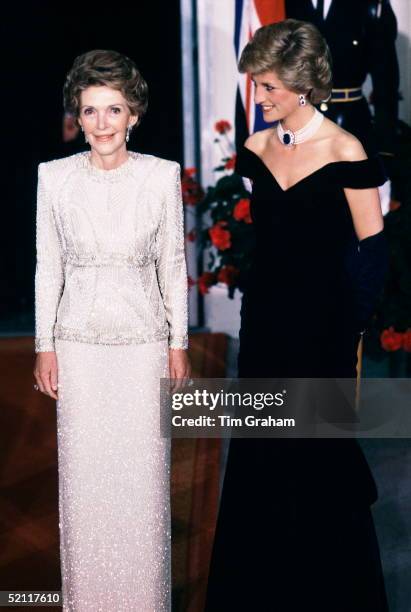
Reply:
x=109 y=68
x=298 y=54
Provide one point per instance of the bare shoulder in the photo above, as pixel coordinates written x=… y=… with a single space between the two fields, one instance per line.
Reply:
x=258 y=141
x=349 y=148
x=345 y=146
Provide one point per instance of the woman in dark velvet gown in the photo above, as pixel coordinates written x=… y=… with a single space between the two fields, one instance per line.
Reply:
x=295 y=530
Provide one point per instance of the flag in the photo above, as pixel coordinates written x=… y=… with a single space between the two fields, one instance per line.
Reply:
x=249 y=16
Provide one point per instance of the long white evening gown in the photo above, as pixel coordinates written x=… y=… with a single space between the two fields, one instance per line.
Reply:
x=111 y=298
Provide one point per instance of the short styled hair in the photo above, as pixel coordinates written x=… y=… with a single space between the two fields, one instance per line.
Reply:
x=109 y=68
x=296 y=51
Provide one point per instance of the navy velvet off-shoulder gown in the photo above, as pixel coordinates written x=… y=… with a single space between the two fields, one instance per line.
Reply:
x=295 y=530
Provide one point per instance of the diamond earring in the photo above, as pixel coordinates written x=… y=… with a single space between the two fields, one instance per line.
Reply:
x=301 y=100
x=128 y=133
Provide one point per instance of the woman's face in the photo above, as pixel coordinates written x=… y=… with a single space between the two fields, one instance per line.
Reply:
x=276 y=101
x=104 y=117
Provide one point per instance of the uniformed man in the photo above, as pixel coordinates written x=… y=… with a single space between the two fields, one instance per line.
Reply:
x=361 y=35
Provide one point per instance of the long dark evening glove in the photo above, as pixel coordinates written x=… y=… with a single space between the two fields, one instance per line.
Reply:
x=370 y=273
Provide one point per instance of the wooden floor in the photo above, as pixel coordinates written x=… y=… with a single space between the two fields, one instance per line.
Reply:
x=29 y=553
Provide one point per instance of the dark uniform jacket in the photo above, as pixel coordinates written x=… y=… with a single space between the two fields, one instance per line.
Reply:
x=361 y=35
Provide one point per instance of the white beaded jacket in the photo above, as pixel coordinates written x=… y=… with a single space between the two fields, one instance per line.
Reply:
x=110 y=253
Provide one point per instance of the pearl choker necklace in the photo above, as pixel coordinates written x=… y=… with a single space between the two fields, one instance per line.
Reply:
x=289 y=138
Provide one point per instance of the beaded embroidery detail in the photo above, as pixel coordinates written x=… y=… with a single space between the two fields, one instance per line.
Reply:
x=110 y=253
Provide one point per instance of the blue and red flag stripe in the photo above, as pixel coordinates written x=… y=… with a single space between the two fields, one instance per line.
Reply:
x=249 y=16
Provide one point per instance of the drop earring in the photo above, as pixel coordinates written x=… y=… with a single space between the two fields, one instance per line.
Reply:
x=128 y=133
x=301 y=100
x=85 y=137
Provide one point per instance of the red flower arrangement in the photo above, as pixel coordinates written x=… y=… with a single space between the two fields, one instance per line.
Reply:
x=242 y=211
x=392 y=340
x=230 y=163
x=229 y=238
x=191 y=189
x=223 y=126
x=206 y=280
x=220 y=237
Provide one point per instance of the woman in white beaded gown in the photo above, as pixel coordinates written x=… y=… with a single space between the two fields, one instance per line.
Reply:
x=111 y=320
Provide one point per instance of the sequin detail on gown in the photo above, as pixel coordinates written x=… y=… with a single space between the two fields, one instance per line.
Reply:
x=111 y=299
x=110 y=253
x=114 y=478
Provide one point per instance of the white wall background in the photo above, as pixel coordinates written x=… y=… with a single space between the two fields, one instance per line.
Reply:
x=217 y=75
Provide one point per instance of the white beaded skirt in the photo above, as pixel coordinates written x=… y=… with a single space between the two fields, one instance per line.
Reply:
x=114 y=478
